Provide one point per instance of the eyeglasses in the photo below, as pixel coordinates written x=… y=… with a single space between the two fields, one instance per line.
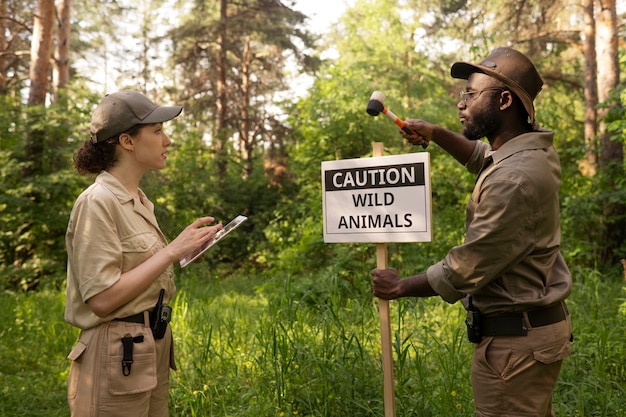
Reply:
x=470 y=96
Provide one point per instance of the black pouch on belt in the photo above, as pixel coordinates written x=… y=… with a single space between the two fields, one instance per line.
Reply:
x=160 y=317
x=474 y=331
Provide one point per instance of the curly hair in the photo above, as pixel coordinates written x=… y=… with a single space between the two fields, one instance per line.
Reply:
x=93 y=158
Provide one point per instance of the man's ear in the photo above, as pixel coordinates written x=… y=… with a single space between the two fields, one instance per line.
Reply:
x=126 y=141
x=506 y=100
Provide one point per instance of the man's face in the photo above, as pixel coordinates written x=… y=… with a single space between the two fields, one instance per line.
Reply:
x=479 y=110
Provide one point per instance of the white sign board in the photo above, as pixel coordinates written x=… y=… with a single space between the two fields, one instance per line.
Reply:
x=377 y=200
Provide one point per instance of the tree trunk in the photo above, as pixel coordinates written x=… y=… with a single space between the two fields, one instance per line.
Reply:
x=589 y=164
x=61 y=63
x=611 y=152
x=145 y=59
x=41 y=47
x=40 y=52
x=245 y=137
x=4 y=11
x=221 y=132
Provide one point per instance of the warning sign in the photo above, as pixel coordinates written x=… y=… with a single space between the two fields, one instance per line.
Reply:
x=379 y=199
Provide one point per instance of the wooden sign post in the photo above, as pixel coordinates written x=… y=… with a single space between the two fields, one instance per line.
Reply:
x=385 y=324
x=373 y=200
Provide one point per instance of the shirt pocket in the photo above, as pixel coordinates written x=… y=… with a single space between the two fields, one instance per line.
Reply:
x=141 y=376
x=137 y=248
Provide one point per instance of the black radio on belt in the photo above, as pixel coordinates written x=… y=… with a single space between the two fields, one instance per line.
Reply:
x=474 y=331
x=160 y=317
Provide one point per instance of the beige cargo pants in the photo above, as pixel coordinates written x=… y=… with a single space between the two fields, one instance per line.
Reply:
x=98 y=386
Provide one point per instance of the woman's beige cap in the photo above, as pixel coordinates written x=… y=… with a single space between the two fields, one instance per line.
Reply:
x=120 y=111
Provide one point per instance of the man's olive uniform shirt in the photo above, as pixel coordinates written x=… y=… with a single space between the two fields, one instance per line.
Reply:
x=510 y=260
x=109 y=233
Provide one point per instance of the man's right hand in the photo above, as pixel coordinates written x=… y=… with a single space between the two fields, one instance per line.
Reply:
x=386 y=283
x=422 y=132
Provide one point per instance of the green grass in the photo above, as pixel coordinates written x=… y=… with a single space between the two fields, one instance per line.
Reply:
x=34 y=342
x=293 y=346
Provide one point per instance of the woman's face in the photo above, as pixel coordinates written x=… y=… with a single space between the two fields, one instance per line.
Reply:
x=150 y=146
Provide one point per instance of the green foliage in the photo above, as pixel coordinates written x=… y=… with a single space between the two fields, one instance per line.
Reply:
x=593 y=379
x=33 y=226
x=35 y=207
x=375 y=53
x=11 y=119
x=35 y=344
x=186 y=188
x=584 y=198
x=276 y=345
x=282 y=323
x=189 y=187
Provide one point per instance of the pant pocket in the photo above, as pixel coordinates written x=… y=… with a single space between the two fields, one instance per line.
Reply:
x=497 y=356
x=552 y=354
x=75 y=369
x=138 y=376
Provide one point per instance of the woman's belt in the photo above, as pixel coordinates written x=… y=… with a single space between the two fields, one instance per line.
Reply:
x=159 y=317
x=135 y=318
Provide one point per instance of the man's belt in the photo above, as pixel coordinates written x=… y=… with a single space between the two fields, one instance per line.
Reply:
x=515 y=324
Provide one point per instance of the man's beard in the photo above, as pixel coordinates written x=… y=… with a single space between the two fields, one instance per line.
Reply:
x=482 y=124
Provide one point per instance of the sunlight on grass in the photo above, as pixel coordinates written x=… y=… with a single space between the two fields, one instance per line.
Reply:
x=285 y=346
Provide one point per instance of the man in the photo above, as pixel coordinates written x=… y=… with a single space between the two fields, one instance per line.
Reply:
x=509 y=272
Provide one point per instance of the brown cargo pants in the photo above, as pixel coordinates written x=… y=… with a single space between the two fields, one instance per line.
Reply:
x=514 y=376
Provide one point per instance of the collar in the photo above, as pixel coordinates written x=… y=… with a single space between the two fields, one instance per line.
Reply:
x=113 y=185
x=525 y=142
x=145 y=208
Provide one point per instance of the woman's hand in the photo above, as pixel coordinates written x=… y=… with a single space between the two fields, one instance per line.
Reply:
x=137 y=280
x=193 y=236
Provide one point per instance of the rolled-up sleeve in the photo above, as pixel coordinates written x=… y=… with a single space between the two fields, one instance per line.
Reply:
x=439 y=280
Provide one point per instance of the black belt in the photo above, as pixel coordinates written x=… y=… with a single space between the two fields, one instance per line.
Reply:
x=514 y=324
x=135 y=318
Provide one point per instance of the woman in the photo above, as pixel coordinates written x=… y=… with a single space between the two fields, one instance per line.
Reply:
x=120 y=265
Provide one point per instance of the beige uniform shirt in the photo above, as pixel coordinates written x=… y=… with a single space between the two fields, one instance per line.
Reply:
x=109 y=233
x=510 y=260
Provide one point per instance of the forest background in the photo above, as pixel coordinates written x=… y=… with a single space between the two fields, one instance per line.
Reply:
x=251 y=140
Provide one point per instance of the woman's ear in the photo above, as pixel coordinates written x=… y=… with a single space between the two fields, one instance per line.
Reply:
x=126 y=141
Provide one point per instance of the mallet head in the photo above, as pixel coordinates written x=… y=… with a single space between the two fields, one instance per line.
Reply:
x=375 y=105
